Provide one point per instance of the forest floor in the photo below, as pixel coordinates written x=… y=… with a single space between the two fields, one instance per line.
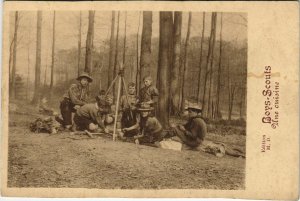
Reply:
x=74 y=161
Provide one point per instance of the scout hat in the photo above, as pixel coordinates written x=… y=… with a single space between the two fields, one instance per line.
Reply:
x=145 y=108
x=194 y=108
x=86 y=75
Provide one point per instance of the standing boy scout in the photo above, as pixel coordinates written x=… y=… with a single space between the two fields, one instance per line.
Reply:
x=149 y=93
x=74 y=98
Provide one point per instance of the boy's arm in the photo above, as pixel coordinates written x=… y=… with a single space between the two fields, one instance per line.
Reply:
x=154 y=94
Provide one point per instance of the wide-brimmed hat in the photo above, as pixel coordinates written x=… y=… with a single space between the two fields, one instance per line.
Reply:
x=145 y=108
x=194 y=108
x=86 y=75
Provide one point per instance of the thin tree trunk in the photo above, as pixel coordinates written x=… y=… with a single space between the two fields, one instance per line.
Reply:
x=28 y=65
x=11 y=53
x=124 y=46
x=45 y=76
x=137 y=78
x=207 y=65
x=116 y=53
x=53 y=56
x=211 y=65
x=219 y=71
x=36 y=96
x=111 y=49
x=146 y=45
x=164 y=63
x=89 y=43
x=13 y=77
x=200 y=60
x=79 y=45
x=175 y=70
x=185 y=61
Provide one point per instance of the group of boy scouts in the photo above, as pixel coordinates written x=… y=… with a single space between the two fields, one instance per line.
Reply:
x=138 y=121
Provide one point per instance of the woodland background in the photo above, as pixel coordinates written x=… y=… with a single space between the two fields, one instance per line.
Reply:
x=194 y=58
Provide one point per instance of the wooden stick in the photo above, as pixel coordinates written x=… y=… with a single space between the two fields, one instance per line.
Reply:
x=117 y=108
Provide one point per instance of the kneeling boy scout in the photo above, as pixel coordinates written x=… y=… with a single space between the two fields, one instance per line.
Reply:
x=91 y=116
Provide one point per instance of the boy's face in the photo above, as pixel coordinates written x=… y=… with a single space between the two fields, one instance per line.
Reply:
x=145 y=114
x=147 y=82
x=192 y=113
x=131 y=90
x=84 y=81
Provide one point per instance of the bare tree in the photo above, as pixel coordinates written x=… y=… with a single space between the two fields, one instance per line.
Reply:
x=36 y=95
x=111 y=49
x=89 y=43
x=79 y=45
x=209 y=102
x=124 y=46
x=14 y=61
x=28 y=66
x=137 y=77
x=146 y=45
x=219 y=70
x=231 y=93
x=200 y=59
x=164 y=63
x=185 y=63
x=116 y=52
x=53 y=56
x=175 y=84
x=207 y=63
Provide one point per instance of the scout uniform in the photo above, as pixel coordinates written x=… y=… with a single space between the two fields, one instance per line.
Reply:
x=129 y=114
x=150 y=127
x=76 y=95
x=92 y=113
x=194 y=130
x=148 y=93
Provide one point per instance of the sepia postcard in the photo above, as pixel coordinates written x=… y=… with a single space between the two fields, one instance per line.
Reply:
x=150 y=99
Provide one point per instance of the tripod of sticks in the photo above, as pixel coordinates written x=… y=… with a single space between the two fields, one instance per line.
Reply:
x=121 y=80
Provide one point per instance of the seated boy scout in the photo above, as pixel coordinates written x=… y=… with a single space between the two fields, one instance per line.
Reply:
x=149 y=127
x=194 y=131
x=76 y=96
x=129 y=112
x=91 y=116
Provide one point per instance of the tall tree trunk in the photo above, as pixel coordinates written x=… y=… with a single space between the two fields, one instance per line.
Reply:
x=116 y=53
x=207 y=64
x=137 y=78
x=185 y=63
x=111 y=49
x=79 y=45
x=146 y=45
x=36 y=96
x=28 y=72
x=124 y=46
x=11 y=53
x=219 y=71
x=211 y=66
x=175 y=74
x=200 y=60
x=53 y=56
x=13 y=77
x=89 y=43
x=164 y=63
